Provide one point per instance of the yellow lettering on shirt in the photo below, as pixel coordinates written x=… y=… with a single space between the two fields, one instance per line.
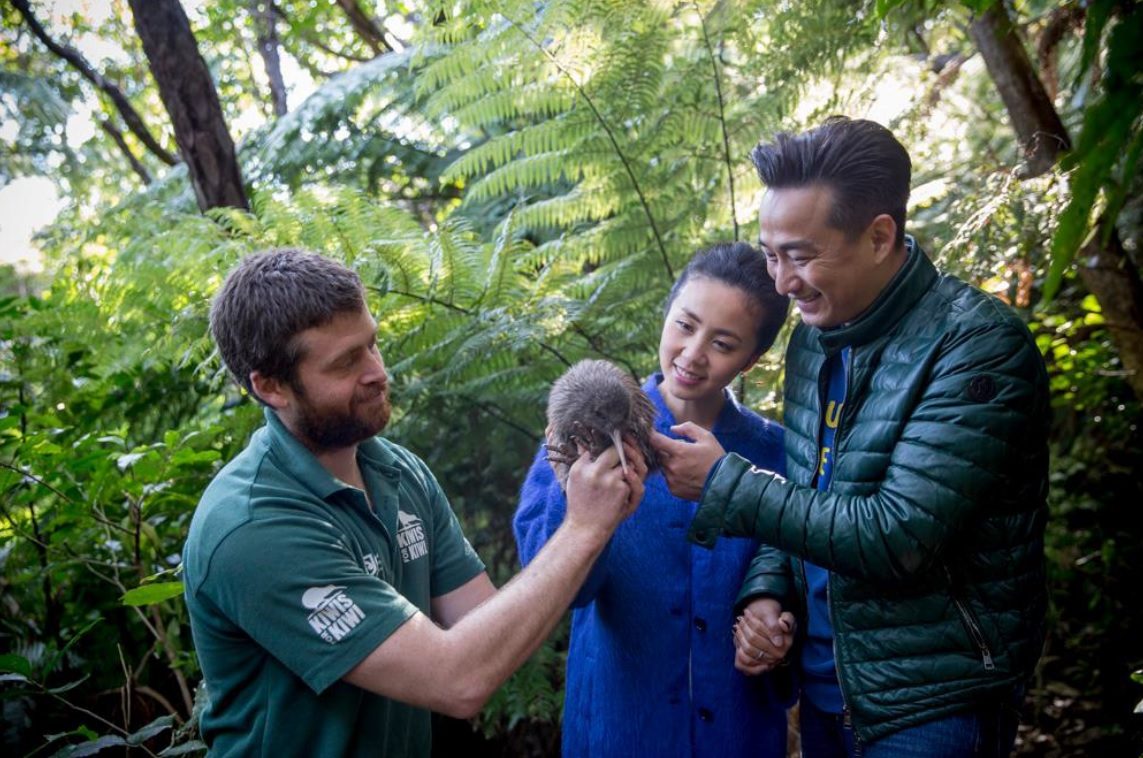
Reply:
x=822 y=461
x=833 y=414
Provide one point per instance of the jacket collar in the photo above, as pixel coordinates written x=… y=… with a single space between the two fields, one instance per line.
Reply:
x=903 y=291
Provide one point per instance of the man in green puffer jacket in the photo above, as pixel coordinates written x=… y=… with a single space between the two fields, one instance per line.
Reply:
x=916 y=412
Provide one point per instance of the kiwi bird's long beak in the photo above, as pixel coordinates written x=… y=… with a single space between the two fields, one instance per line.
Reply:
x=617 y=439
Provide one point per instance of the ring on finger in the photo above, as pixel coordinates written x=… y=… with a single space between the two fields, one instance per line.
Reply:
x=758 y=655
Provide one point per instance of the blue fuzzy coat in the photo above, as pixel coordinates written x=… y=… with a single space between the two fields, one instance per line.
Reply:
x=651 y=665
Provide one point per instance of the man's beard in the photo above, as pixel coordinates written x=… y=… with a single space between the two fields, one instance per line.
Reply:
x=332 y=430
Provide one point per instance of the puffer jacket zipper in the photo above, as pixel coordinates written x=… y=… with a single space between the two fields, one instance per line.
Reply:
x=846 y=713
x=970 y=623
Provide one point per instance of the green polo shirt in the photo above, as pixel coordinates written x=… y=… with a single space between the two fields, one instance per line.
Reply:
x=292 y=579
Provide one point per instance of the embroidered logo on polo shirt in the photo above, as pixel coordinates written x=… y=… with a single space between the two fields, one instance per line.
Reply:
x=371 y=564
x=333 y=614
x=411 y=537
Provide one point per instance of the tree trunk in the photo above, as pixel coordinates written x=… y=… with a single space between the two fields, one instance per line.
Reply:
x=1106 y=270
x=1041 y=132
x=73 y=57
x=265 y=28
x=191 y=100
x=365 y=26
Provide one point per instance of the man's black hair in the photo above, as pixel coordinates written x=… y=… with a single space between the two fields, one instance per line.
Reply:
x=861 y=161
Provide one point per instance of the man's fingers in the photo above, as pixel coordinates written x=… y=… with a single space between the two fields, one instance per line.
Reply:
x=663 y=444
x=635 y=459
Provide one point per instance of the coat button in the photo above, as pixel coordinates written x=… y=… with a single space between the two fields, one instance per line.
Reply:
x=706 y=715
x=700 y=624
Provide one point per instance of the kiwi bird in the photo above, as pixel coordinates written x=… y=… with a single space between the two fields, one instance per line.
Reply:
x=593 y=405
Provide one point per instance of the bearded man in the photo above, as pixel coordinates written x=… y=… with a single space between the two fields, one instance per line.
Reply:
x=332 y=596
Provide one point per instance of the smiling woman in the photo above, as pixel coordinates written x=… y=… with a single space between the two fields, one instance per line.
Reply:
x=651 y=669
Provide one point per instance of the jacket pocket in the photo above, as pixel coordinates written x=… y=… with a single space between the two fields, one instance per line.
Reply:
x=971 y=624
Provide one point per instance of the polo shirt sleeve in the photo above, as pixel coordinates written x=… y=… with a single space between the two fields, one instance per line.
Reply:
x=455 y=562
x=293 y=586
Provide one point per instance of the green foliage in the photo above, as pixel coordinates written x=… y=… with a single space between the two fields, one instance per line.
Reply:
x=1107 y=151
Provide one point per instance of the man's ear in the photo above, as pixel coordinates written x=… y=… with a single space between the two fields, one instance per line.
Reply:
x=883 y=236
x=272 y=392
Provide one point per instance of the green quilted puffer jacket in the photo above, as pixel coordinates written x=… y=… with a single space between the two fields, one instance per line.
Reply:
x=933 y=524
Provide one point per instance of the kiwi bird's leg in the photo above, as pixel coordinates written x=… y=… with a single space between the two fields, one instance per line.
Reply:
x=617 y=440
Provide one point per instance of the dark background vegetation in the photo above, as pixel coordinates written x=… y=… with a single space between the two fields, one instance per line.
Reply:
x=517 y=183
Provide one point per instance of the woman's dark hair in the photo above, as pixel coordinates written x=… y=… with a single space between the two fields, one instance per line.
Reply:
x=739 y=265
x=268 y=300
x=861 y=161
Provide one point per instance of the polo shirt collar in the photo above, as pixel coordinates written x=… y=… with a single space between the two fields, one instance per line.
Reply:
x=309 y=469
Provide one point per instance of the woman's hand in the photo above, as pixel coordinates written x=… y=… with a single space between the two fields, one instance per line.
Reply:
x=763 y=636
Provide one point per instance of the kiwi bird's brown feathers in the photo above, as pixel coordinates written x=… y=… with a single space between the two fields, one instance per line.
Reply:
x=592 y=404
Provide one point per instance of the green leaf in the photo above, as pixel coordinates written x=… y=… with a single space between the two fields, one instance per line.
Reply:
x=978 y=6
x=16 y=663
x=158 y=726
x=149 y=594
x=69 y=686
x=128 y=460
x=194 y=746
x=1095 y=20
x=91 y=747
x=185 y=456
x=51 y=662
x=1102 y=152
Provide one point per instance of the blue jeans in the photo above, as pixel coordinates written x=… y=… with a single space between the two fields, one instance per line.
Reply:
x=987 y=732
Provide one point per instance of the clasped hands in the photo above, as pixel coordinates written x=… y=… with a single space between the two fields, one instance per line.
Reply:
x=763 y=636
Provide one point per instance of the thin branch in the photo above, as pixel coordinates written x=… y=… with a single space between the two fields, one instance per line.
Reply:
x=117 y=137
x=498 y=413
x=424 y=299
x=99 y=518
x=465 y=311
x=610 y=136
x=315 y=41
x=365 y=27
x=79 y=63
x=1060 y=21
x=597 y=345
x=266 y=33
x=559 y=356
x=159 y=630
x=161 y=700
x=721 y=119
x=125 y=690
x=36 y=479
x=91 y=714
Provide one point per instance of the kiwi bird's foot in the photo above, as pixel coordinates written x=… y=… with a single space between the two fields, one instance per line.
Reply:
x=559 y=454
